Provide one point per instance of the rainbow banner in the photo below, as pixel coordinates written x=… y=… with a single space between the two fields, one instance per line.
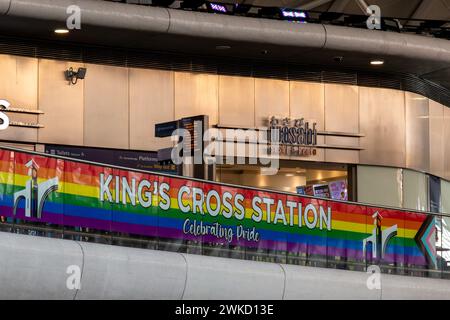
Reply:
x=45 y=189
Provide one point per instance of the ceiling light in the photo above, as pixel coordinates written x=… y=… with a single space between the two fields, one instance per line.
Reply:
x=163 y=3
x=377 y=62
x=61 y=31
x=217 y=8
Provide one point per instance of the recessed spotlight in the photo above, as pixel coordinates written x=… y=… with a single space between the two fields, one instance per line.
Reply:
x=289 y=175
x=377 y=62
x=61 y=31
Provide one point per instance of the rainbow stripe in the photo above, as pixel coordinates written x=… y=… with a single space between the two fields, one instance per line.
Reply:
x=76 y=203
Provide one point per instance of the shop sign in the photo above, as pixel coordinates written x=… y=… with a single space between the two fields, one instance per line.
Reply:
x=165 y=129
x=142 y=160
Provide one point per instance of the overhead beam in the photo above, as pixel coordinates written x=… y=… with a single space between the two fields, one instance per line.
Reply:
x=313 y=4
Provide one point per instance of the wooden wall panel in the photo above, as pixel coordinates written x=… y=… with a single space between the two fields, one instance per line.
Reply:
x=237 y=101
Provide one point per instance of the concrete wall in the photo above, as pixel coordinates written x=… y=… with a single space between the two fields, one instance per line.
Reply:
x=35 y=268
x=118 y=107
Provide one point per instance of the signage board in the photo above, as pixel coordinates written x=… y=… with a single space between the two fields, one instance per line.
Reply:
x=295 y=132
x=301 y=190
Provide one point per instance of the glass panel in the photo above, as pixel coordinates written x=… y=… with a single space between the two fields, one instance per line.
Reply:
x=445 y=196
x=230 y=221
x=271 y=215
x=127 y=208
x=421 y=253
x=435 y=194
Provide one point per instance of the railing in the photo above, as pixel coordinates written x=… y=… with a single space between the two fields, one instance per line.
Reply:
x=59 y=197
